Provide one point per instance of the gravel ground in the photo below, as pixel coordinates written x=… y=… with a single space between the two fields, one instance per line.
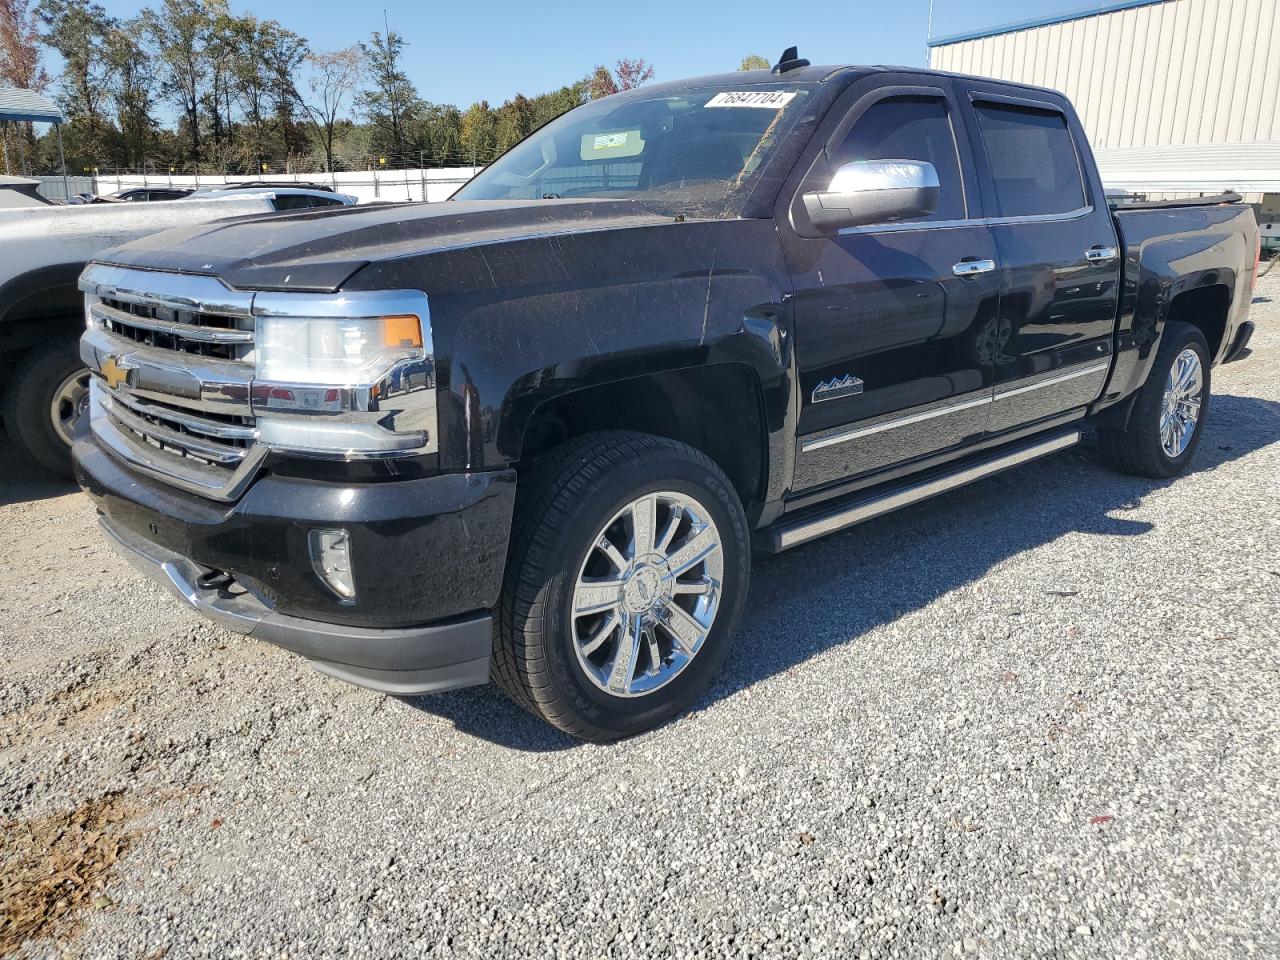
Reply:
x=1039 y=717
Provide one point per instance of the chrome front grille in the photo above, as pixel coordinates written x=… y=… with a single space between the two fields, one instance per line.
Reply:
x=202 y=334
x=199 y=437
x=173 y=361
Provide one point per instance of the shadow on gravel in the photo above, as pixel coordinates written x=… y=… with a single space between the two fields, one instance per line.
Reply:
x=22 y=481
x=833 y=591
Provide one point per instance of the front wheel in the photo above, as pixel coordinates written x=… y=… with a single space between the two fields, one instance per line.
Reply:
x=628 y=571
x=44 y=396
x=1169 y=412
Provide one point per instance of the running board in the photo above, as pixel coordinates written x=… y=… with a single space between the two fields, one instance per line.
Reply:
x=819 y=521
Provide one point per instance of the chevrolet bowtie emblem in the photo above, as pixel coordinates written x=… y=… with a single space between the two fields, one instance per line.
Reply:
x=116 y=372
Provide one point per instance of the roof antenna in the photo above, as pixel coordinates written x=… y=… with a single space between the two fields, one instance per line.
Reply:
x=790 y=60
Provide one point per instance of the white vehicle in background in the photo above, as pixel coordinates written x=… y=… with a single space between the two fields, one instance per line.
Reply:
x=43 y=248
x=19 y=192
x=284 y=197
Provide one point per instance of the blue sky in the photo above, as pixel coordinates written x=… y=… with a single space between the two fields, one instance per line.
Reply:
x=492 y=49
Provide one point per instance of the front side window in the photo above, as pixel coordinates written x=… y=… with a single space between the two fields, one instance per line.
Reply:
x=910 y=128
x=1033 y=160
x=696 y=152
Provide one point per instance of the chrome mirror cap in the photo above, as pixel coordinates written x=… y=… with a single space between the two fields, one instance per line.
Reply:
x=873 y=191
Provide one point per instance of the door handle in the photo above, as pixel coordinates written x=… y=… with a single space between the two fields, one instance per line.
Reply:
x=972 y=268
x=1101 y=254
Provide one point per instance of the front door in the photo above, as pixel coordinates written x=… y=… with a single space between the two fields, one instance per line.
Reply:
x=893 y=322
x=1059 y=257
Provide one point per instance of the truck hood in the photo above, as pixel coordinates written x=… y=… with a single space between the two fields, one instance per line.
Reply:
x=320 y=250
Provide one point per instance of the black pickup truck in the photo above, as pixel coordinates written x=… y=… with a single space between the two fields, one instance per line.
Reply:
x=535 y=433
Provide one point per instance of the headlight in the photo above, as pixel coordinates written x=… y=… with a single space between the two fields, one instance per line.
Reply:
x=351 y=374
x=341 y=352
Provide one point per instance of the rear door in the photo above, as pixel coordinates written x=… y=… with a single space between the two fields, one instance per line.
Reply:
x=1058 y=254
x=891 y=319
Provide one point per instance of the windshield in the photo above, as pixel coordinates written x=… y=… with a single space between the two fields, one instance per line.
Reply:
x=694 y=153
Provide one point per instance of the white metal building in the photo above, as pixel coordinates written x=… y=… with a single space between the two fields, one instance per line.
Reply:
x=1178 y=96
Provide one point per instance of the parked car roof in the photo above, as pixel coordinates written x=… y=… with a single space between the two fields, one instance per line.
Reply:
x=322 y=198
x=21 y=192
x=258 y=184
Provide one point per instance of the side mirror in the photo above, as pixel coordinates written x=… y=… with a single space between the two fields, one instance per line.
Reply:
x=874 y=191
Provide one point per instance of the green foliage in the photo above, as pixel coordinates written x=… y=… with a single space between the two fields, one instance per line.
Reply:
x=391 y=101
x=250 y=96
x=753 y=61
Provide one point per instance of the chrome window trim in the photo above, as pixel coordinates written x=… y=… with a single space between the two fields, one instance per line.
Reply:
x=971 y=222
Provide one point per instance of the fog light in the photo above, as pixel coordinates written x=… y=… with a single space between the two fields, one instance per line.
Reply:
x=331 y=556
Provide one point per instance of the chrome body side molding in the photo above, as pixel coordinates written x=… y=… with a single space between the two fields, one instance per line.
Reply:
x=838 y=517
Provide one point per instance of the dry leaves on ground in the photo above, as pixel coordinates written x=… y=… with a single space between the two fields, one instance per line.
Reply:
x=52 y=866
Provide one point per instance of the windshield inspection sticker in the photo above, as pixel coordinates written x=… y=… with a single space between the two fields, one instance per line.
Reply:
x=766 y=99
x=624 y=143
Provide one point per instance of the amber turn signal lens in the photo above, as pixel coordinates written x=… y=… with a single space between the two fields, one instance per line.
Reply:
x=401 y=331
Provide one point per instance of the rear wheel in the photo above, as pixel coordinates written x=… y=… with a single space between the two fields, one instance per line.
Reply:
x=628 y=571
x=46 y=392
x=1169 y=413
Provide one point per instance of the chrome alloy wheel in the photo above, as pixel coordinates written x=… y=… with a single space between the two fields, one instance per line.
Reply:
x=647 y=594
x=69 y=400
x=1181 y=409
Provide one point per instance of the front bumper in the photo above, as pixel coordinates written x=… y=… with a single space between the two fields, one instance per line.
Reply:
x=398 y=661
x=428 y=555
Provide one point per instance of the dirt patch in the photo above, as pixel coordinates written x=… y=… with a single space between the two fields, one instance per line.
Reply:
x=52 y=867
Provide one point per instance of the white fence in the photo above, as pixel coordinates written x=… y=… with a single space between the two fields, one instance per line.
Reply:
x=436 y=183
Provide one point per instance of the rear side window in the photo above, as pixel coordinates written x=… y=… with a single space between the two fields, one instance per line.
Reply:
x=1033 y=160
x=911 y=128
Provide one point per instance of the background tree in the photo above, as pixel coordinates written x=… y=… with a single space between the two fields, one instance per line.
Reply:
x=632 y=73
x=132 y=91
x=753 y=61
x=251 y=83
x=548 y=106
x=391 y=101
x=77 y=30
x=20 y=66
x=235 y=91
x=440 y=133
x=601 y=83
x=332 y=78
x=479 y=133
x=514 y=122
x=285 y=54
x=179 y=31
x=626 y=75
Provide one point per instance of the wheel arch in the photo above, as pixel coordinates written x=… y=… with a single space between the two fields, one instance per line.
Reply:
x=39 y=302
x=718 y=409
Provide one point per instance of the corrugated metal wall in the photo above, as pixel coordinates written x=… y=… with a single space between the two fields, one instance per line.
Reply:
x=1182 y=71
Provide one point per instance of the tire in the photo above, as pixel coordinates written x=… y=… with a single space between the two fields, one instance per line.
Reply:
x=42 y=374
x=1140 y=448
x=587 y=491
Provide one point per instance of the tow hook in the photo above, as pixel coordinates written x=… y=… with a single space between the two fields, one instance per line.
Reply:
x=214 y=580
